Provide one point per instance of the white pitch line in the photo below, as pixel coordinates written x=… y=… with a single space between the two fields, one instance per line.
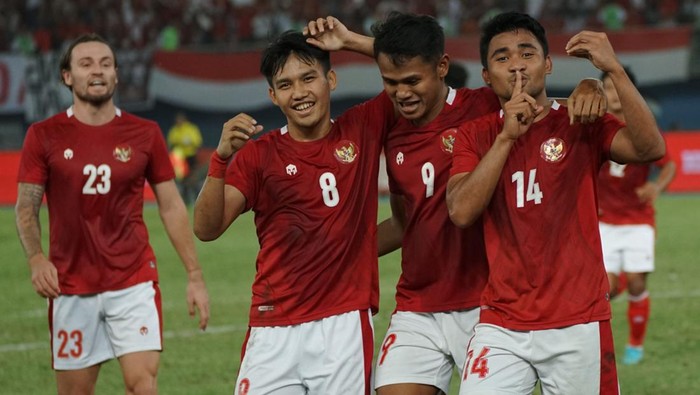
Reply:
x=212 y=330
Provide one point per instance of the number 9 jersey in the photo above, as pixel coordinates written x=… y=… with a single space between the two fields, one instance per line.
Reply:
x=94 y=183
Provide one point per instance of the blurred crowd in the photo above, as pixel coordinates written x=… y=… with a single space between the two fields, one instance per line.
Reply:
x=35 y=26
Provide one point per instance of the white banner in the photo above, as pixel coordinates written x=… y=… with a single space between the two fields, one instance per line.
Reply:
x=12 y=88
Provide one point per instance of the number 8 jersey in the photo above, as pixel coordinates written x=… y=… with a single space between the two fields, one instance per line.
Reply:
x=315 y=206
x=94 y=182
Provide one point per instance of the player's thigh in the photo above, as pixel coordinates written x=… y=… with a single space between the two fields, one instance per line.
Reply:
x=343 y=365
x=497 y=362
x=133 y=317
x=612 y=250
x=271 y=357
x=458 y=329
x=79 y=337
x=638 y=253
x=139 y=370
x=578 y=359
x=414 y=350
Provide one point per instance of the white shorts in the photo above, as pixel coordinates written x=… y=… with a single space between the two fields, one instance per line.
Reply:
x=627 y=248
x=423 y=348
x=578 y=359
x=89 y=329
x=328 y=356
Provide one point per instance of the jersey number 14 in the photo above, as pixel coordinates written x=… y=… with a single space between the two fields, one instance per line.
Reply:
x=534 y=194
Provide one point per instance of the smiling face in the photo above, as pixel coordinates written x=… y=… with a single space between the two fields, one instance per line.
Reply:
x=416 y=87
x=303 y=92
x=515 y=51
x=92 y=75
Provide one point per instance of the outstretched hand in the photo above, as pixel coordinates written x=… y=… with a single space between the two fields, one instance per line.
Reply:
x=327 y=33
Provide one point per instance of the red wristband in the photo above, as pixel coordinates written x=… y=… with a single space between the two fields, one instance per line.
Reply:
x=217 y=166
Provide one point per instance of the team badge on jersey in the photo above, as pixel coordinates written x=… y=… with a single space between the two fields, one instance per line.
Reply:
x=122 y=153
x=553 y=149
x=345 y=151
x=68 y=154
x=447 y=140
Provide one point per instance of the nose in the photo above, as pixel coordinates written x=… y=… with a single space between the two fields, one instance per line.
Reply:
x=299 y=90
x=403 y=91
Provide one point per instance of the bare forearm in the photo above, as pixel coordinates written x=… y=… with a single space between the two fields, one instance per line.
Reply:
x=209 y=209
x=389 y=236
x=361 y=44
x=666 y=175
x=641 y=129
x=177 y=226
x=27 y=218
x=468 y=195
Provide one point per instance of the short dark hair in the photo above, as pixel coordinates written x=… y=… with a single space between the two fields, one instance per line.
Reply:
x=510 y=22
x=629 y=72
x=278 y=51
x=403 y=36
x=457 y=75
x=85 y=38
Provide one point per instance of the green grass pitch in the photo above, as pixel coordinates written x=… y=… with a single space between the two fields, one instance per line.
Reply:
x=206 y=363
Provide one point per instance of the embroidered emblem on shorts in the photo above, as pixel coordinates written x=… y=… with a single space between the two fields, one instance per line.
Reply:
x=266 y=308
x=152 y=264
x=122 y=153
x=447 y=140
x=143 y=331
x=553 y=149
x=244 y=387
x=345 y=151
x=399 y=158
x=68 y=154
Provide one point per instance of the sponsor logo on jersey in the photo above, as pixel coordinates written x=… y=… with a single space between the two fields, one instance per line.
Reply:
x=345 y=151
x=447 y=140
x=122 y=153
x=68 y=154
x=291 y=169
x=553 y=149
x=399 y=158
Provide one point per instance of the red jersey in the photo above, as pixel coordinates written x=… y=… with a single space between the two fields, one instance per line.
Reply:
x=443 y=267
x=617 y=199
x=541 y=226
x=94 y=178
x=315 y=206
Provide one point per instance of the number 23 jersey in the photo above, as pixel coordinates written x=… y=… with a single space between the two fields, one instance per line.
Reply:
x=94 y=179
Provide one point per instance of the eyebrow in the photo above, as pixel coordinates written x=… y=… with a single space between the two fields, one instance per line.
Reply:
x=404 y=79
x=501 y=50
x=303 y=75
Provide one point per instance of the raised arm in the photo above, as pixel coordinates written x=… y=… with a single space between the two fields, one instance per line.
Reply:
x=468 y=194
x=173 y=213
x=218 y=205
x=331 y=35
x=641 y=140
x=44 y=273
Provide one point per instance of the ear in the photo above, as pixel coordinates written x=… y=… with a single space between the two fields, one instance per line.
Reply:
x=443 y=65
x=66 y=78
x=332 y=79
x=548 y=65
x=273 y=97
x=485 y=75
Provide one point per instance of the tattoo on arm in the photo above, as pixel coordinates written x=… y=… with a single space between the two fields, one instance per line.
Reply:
x=27 y=217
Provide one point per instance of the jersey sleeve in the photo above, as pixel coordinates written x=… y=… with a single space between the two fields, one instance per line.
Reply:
x=159 y=169
x=608 y=128
x=241 y=173
x=376 y=111
x=33 y=166
x=465 y=157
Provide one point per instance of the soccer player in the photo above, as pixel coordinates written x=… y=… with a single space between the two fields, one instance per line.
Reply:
x=100 y=276
x=627 y=227
x=313 y=188
x=545 y=311
x=444 y=268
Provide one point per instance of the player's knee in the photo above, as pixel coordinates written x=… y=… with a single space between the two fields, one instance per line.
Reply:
x=144 y=384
